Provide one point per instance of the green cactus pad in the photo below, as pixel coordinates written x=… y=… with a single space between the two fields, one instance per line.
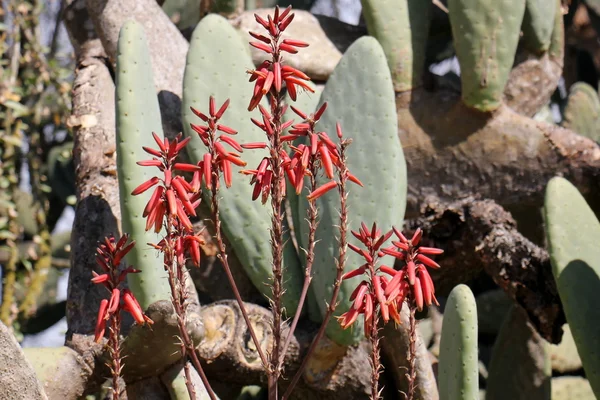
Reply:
x=520 y=368
x=572 y=231
x=538 y=24
x=402 y=28
x=582 y=113
x=486 y=34
x=138 y=115
x=458 y=376
x=216 y=65
x=361 y=97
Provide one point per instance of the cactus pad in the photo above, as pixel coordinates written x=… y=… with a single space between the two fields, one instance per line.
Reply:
x=582 y=113
x=573 y=232
x=361 y=97
x=458 y=368
x=138 y=115
x=538 y=24
x=486 y=34
x=402 y=28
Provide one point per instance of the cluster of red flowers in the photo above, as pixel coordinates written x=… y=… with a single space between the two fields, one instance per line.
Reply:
x=222 y=157
x=271 y=74
x=321 y=149
x=413 y=278
x=110 y=254
x=387 y=287
x=173 y=198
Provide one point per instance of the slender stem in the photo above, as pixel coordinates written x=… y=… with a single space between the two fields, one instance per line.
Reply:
x=223 y=257
x=176 y=274
x=375 y=361
x=115 y=353
x=411 y=375
x=340 y=265
x=276 y=239
x=310 y=257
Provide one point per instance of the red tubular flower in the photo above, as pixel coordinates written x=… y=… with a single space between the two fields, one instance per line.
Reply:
x=413 y=278
x=369 y=296
x=219 y=158
x=131 y=305
x=101 y=321
x=272 y=75
x=385 y=288
x=110 y=254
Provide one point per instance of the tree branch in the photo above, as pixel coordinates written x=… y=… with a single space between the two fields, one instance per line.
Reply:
x=479 y=235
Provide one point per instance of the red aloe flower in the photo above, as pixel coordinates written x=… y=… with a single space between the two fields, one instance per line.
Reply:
x=413 y=278
x=173 y=196
x=272 y=75
x=110 y=254
x=219 y=159
x=384 y=286
x=368 y=297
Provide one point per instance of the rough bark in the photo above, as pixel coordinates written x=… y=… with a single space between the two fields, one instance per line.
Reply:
x=97 y=211
x=17 y=377
x=454 y=152
x=480 y=235
x=79 y=26
x=532 y=82
x=334 y=372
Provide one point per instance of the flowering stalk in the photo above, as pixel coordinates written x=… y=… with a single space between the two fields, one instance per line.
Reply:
x=385 y=289
x=369 y=297
x=411 y=374
x=215 y=163
x=307 y=160
x=109 y=256
x=271 y=77
x=343 y=176
x=413 y=284
x=173 y=202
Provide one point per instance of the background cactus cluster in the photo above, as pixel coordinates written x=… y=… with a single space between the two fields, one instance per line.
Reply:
x=418 y=138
